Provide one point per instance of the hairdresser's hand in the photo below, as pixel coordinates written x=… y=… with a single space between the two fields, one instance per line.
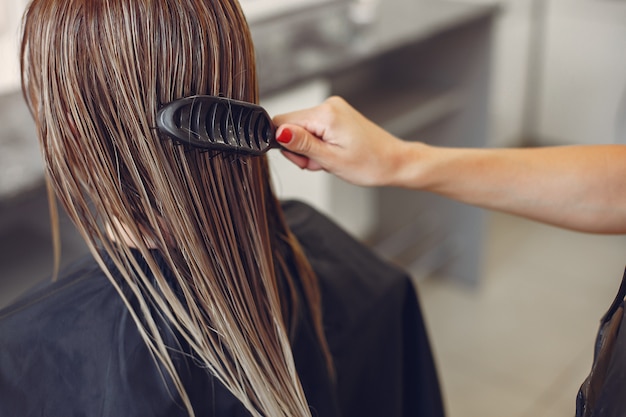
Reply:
x=335 y=137
x=575 y=187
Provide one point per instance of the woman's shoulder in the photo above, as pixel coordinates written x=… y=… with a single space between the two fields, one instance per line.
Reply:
x=80 y=278
x=370 y=306
x=76 y=303
x=71 y=345
x=354 y=280
x=329 y=247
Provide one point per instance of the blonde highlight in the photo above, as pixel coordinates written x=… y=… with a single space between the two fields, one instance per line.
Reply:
x=94 y=73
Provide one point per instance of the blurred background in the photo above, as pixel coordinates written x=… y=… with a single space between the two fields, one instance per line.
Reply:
x=512 y=306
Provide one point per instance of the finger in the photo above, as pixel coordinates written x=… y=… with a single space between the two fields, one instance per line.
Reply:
x=308 y=120
x=301 y=161
x=299 y=140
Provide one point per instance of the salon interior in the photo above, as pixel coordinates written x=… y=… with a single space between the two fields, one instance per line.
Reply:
x=512 y=306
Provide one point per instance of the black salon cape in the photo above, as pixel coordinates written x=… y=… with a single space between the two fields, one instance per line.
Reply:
x=71 y=348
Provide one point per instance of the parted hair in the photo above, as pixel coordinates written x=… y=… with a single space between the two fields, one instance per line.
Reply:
x=94 y=74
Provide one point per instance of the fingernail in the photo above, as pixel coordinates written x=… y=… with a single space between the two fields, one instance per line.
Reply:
x=285 y=136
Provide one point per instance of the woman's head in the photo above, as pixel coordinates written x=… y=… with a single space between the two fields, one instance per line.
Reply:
x=94 y=73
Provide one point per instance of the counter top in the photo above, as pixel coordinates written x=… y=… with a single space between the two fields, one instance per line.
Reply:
x=337 y=36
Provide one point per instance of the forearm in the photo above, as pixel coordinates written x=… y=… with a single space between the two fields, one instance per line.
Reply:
x=575 y=187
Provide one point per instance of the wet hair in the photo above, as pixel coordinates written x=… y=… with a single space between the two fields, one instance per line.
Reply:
x=94 y=74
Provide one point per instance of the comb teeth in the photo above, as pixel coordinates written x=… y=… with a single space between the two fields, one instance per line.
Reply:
x=218 y=123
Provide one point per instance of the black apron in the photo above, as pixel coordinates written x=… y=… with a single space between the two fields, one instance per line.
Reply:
x=603 y=393
x=70 y=348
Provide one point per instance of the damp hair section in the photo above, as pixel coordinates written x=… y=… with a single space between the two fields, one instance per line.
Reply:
x=94 y=74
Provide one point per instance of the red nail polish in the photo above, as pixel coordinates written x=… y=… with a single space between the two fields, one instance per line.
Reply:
x=285 y=136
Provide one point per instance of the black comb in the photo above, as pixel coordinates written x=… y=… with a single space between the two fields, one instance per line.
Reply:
x=218 y=123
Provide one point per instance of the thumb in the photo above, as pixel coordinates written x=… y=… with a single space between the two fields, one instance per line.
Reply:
x=300 y=141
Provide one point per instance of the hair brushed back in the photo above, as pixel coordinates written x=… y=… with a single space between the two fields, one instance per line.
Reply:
x=94 y=73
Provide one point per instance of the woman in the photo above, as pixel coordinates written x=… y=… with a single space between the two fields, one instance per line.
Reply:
x=210 y=307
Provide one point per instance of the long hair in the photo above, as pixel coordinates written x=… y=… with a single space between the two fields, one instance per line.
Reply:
x=94 y=74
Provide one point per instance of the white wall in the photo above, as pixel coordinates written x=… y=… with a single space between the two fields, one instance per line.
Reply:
x=510 y=72
x=583 y=73
x=510 y=53
x=10 y=18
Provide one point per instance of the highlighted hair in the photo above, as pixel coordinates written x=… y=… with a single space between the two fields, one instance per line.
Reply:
x=94 y=73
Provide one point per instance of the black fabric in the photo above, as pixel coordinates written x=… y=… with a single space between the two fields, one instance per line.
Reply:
x=603 y=393
x=71 y=348
x=373 y=321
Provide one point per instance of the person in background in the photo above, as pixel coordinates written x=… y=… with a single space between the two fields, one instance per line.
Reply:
x=581 y=188
x=202 y=295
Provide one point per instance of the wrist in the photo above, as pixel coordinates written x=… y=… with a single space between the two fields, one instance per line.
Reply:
x=411 y=164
